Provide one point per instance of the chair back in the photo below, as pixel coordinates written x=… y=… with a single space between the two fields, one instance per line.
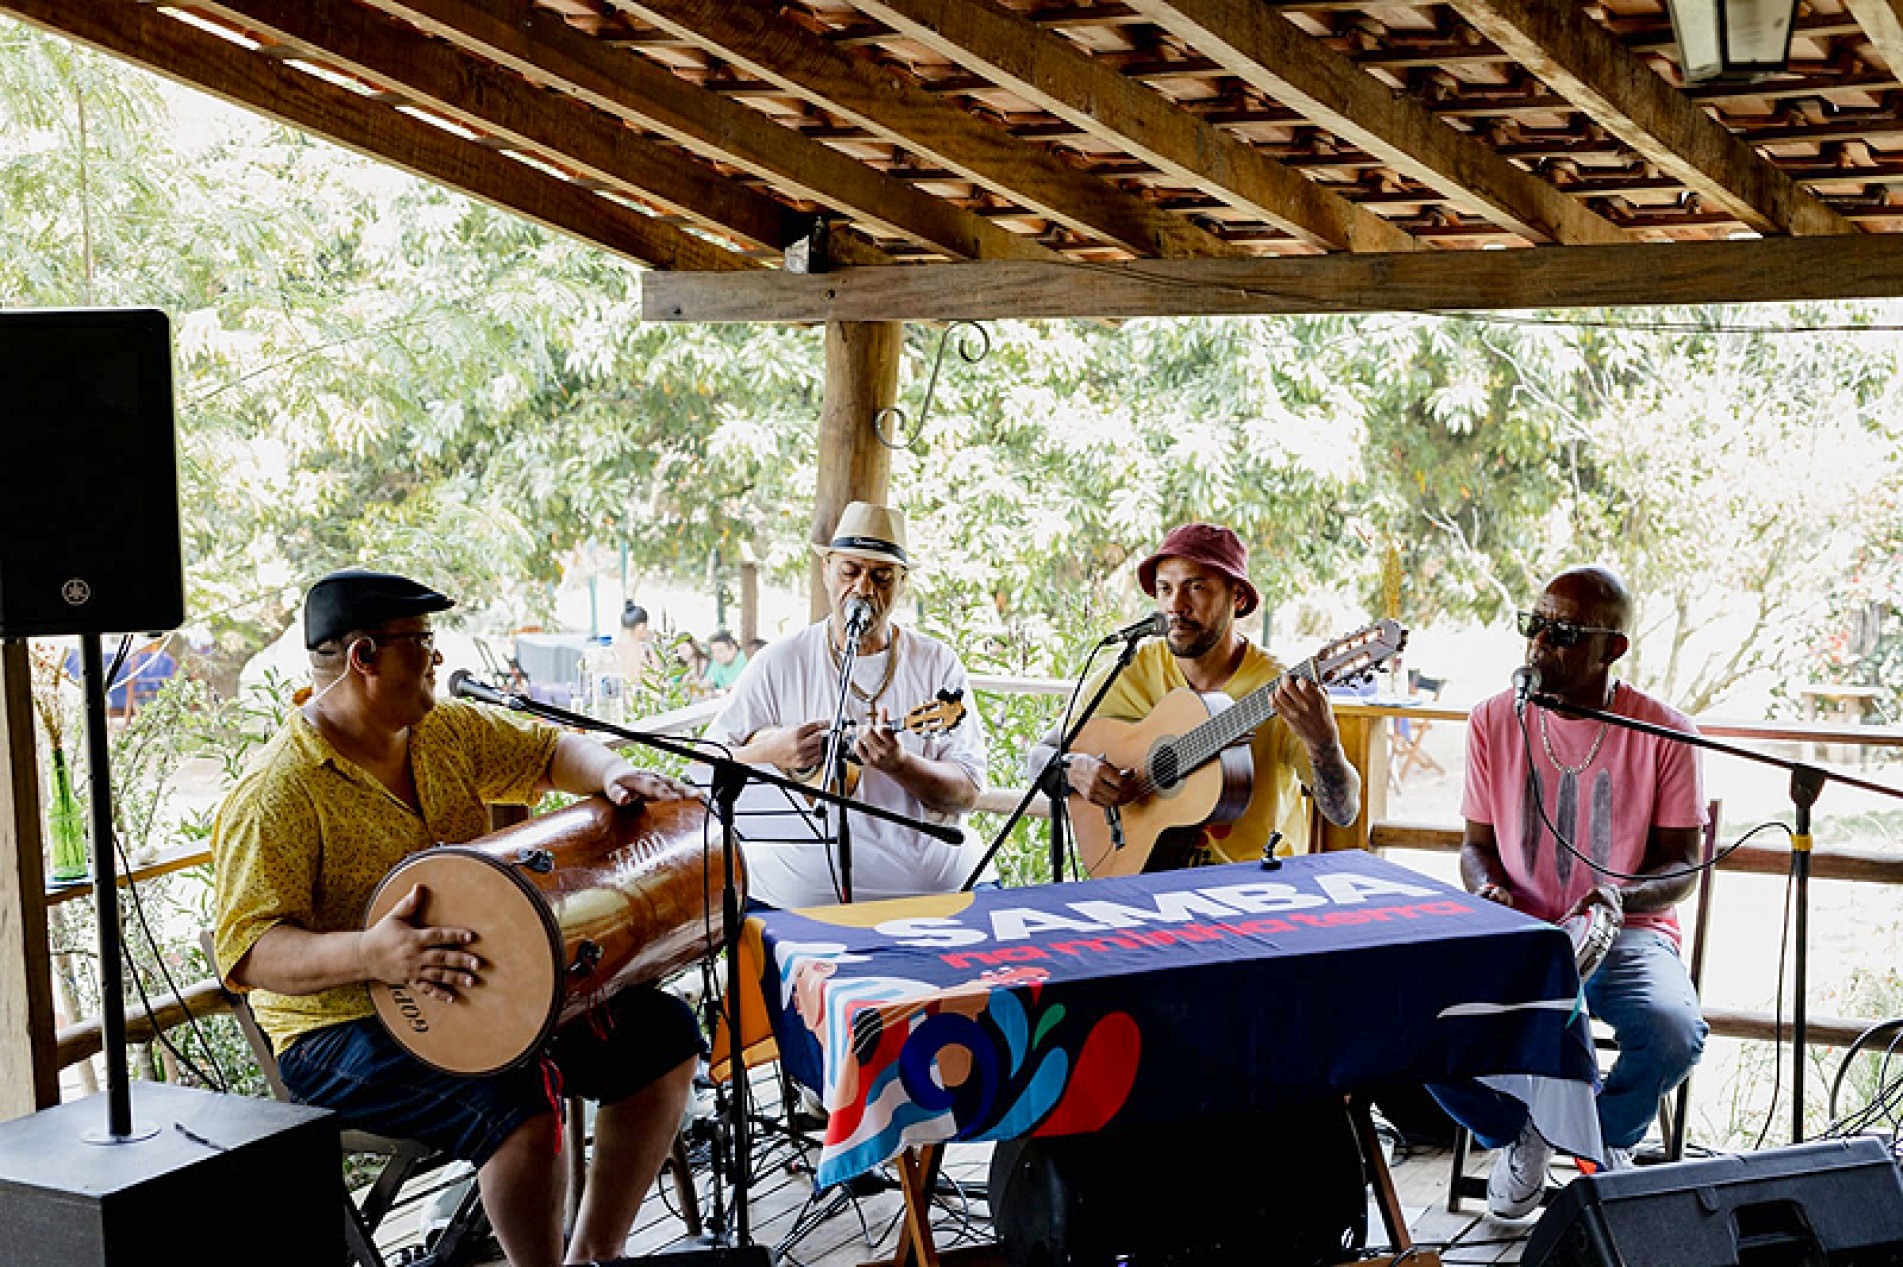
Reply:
x=254 y=1035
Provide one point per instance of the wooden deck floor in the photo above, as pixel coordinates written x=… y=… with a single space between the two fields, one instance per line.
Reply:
x=834 y=1230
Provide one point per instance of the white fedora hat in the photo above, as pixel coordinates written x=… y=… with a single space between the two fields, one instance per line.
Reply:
x=869 y=531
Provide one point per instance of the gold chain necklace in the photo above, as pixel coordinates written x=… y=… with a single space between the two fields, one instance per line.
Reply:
x=1546 y=741
x=891 y=669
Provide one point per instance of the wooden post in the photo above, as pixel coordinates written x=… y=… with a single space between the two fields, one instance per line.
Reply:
x=1365 y=742
x=29 y=1072
x=749 y=602
x=862 y=377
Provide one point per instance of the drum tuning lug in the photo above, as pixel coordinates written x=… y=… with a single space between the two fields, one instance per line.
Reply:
x=587 y=955
x=540 y=861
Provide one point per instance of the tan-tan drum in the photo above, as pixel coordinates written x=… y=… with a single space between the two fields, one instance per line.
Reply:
x=567 y=909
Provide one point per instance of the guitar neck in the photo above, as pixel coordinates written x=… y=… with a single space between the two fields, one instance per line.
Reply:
x=1250 y=713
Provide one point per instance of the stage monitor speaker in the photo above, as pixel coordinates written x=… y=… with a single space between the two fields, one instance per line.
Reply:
x=89 y=526
x=1837 y=1202
x=224 y=1179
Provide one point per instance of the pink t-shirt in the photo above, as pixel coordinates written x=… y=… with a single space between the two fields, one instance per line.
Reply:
x=1635 y=782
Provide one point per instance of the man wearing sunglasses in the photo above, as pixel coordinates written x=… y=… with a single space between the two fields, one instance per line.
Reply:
x=1631 y=807
x=368 y=770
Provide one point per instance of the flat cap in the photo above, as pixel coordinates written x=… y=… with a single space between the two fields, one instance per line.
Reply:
x=356 y=598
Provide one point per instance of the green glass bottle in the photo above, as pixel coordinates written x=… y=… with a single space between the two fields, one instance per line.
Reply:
x=65 y=825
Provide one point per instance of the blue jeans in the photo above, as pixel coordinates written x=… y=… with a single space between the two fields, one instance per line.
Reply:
x=1644 y=993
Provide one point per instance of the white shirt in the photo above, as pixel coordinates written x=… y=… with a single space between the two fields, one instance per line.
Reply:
x=794 y=681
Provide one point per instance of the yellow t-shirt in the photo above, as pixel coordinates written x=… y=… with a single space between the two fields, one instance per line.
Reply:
x=307 y=835
x=1280 y=759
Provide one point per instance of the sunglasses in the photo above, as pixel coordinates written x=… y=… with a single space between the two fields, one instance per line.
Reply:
x=1559 y=633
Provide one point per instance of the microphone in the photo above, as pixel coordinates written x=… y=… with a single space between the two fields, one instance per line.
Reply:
x=464 y=685
x=1526 y=683
x=1154 y=625
x=858 y=617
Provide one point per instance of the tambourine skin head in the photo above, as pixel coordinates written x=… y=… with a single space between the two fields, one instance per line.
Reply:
x=504 y=1018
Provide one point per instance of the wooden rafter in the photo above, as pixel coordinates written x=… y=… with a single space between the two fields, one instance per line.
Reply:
x=507 y=109
x=1752 y=271
x=763 y=43
x=538 y=44
x=1266 y=51
x=1054 y=75
x=143 y=35
x=1585 y=64
x=1882 y=22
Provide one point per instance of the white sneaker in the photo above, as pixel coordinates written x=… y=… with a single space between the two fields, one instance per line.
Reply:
x=1619 y=1159
x=1519 y=1176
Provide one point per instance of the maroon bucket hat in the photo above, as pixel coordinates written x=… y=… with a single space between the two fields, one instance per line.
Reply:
x=1214 y=547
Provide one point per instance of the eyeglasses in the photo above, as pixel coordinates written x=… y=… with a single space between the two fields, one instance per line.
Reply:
x=425 y=638
x=1559 y=633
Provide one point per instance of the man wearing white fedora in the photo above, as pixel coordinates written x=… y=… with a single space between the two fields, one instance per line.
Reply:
x=782 y=708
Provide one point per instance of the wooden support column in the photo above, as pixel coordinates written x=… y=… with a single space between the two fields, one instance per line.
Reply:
x=1364 y=740
x=862 y=377
x=29 y=1074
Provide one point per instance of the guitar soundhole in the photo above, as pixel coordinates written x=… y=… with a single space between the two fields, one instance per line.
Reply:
x=1164 y=768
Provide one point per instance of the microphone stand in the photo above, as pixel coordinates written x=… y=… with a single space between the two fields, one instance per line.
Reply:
x=1807 y=783
x=729 y=777
x=835 y=761
x=1050 y=781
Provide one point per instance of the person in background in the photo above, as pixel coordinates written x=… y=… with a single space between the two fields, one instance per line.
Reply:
x=727 y=662
x=755 y=646
x=691 y=661
x=634 y=645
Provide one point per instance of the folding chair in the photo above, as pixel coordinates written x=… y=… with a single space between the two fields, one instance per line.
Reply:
x=404 y=1161
x=1673 y=1106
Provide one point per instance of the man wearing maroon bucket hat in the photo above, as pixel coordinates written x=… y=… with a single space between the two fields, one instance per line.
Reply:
x=1199 y=578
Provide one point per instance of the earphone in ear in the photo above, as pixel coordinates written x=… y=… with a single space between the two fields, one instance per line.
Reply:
x=368 y=648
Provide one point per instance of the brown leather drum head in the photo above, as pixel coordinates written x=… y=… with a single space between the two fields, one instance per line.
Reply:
x=512 y=1008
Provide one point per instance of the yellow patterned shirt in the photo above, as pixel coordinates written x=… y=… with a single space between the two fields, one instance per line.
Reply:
x=1280 y=759
x=307 y=835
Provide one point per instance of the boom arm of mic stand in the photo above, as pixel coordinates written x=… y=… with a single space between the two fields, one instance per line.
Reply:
x=1807 y=783
x=581 y=721
x=1054 y=768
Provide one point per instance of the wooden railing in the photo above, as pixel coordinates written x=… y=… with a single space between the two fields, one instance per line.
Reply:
x=1364 y=729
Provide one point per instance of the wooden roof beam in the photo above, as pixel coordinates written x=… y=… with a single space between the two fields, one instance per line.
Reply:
x=508 y=108
x=1764 y=270
x=1271 y=54
x=144 y=36
x=1587 y=65
x=1882 y=22
x=541 y=46
x=1056 y=76
x=759 y=41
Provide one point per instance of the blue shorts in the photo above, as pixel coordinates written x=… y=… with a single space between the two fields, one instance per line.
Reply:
x=373 y=1084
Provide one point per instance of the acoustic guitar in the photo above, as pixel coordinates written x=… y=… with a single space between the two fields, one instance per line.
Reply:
x=1192 y=760
x=942 y=714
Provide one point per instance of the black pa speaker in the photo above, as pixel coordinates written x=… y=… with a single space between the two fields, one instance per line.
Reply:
x=1811 y=1205
x=1287 y=1188
x=89 y=528
x=219 y=1179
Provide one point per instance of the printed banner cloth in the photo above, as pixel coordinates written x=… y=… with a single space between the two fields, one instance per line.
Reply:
x=1062 y=1008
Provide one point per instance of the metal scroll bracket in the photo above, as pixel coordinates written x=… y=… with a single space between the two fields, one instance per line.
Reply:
x=890 y=423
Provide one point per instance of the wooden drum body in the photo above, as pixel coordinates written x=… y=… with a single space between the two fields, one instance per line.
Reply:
x=567 y=909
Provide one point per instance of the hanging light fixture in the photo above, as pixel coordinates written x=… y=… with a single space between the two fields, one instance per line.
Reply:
x=1735 y=41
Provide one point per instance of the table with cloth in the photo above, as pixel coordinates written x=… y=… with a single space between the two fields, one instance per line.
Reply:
x=1060 y=1009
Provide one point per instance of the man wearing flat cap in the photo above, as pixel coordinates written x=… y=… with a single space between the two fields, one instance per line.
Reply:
x=782 y=708
x=1199 y=578
x=367 y=771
